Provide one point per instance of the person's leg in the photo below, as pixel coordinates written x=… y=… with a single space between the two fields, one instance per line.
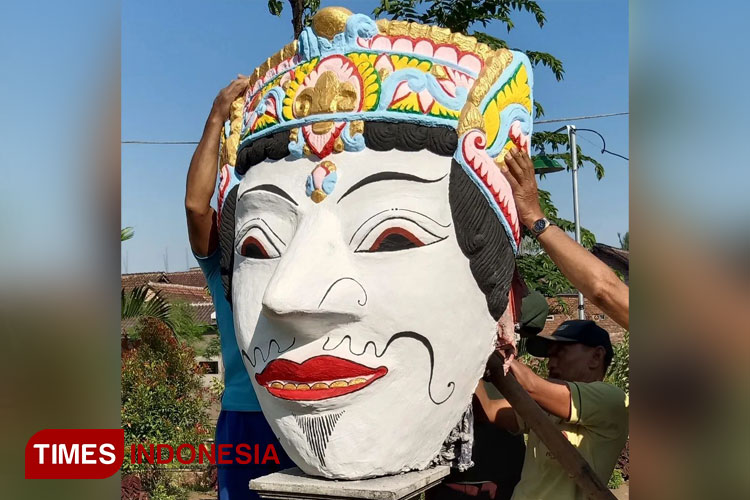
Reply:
x=251 y=429
x=222 y=436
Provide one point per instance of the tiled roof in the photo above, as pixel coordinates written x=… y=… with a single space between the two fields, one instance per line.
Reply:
x=196 y=296
x=185 y=293
x=616 y=258
x=137 y=279
x=191 y=277
x=203 y=313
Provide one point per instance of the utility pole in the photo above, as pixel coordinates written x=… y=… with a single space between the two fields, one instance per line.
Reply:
x=576 y=215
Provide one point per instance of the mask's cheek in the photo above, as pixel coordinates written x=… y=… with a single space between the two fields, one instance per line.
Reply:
x=249 y=283
x=431 y=291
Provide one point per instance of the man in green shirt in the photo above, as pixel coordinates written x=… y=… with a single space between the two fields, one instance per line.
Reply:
x=592 y=414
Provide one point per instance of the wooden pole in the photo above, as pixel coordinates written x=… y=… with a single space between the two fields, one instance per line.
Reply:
x=538 y=421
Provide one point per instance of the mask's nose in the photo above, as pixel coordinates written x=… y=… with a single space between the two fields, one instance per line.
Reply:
x=314 y=288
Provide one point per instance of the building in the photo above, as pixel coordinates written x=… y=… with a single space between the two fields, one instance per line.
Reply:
x=565 y=307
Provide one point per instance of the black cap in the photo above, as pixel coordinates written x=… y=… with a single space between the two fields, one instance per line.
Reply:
x=579 y=331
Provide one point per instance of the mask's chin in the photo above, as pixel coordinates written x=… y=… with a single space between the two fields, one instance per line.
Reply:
x=342 y=444
x=375 y=431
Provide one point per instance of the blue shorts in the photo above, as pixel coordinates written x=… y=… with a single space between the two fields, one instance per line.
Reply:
x=251 y=428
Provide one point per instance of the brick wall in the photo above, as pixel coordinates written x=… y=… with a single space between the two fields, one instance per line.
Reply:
x=557 y=316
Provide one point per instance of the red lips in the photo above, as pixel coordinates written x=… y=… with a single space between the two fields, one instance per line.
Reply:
x=321 y=377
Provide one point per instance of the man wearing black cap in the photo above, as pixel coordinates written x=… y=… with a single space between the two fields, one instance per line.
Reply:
x=592 y=414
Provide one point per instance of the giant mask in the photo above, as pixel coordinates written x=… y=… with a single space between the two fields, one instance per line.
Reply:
x=368 y=235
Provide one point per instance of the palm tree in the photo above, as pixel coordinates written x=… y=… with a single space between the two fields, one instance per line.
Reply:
x=137 y=304
x=126 y=233
x=624 y=240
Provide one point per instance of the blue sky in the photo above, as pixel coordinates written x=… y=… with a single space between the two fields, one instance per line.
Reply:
x=176 y=55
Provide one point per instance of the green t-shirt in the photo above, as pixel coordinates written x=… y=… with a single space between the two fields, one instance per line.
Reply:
x=598 y=428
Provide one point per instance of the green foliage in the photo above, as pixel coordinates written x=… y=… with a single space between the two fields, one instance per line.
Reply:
x=588 y=240
x=541 y=274
x=183 y=323
x=537 y=268
x=213 y=348
x=624 y=240
x=163 y=401
x=537 y=365
x=137 y=304
x=166 y=489
x=557 y=141
x=616 y=480
x=275 y=7
x=302 y=12
x=126 y=233
x=619 y=371
x=217 y=388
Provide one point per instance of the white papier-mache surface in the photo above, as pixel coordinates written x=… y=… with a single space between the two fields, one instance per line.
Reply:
x=413 y=321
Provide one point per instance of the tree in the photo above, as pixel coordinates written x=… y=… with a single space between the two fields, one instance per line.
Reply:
x=624 y=240
x=463 y=16
x=126 y=233
x=136 y=304
x=183 y=322
x=302 y=12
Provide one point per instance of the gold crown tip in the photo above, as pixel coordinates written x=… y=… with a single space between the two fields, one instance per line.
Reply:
x=329 y=21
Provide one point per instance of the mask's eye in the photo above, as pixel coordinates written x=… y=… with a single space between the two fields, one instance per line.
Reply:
x=395 y=238
x=253 y=248
x=254 y=242
x=393 y=233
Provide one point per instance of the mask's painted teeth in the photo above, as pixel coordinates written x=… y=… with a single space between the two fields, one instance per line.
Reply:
x=279 y=384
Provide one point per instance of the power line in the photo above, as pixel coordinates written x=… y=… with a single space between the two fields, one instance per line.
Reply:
x=557 y=120
x=159 y=142
x=575 y=118
x=604 y=143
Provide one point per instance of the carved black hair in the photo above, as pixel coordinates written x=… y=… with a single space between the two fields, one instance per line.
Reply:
x=481 y=236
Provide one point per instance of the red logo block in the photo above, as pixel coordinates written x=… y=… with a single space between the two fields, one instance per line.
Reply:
x=74 y=453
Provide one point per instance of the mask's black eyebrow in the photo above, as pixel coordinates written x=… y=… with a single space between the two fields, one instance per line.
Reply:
x=388 y=176
x=270 y=188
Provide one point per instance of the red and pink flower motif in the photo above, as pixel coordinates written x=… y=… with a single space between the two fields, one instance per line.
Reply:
x=424 y=48
x=450 y=79
x=521 y=140
x=472 y=148
x=272 y=72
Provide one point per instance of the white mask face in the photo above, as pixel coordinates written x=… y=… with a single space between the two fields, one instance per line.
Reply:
x=361 y=325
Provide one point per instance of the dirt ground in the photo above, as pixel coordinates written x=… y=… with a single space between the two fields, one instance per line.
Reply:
x=203 y=495
x=623 y=492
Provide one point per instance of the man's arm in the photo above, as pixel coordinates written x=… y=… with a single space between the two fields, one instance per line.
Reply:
x=552 y=395
x=201 y=178
x=588 y=274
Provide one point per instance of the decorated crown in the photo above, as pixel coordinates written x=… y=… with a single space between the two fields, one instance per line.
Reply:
x=347 y=69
